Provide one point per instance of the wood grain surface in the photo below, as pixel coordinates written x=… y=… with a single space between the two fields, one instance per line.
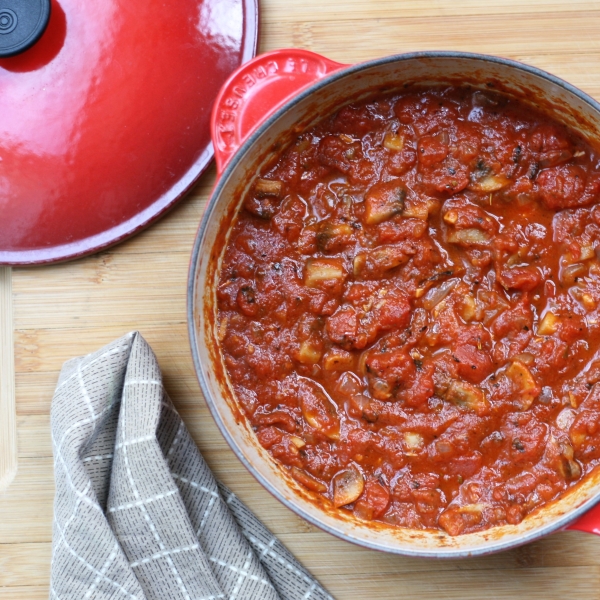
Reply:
x=72 y=309
x=8 y=414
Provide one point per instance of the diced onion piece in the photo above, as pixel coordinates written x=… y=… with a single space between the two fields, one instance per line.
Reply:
x=222 y=329
x=337 y=359
x=393 y=141
x=451 y=217
x=349 y=384
x=565 y=419
x=312 y=483
x=469 y=308
x=472 y=509
x=444 y=448
x=297 y=441
x=348 y=139
x=309 y=353
x=588 y=301
x=549 y=324
x=526 y=358
x=319 y=270
x=595 y=268
x=417 y=209
x=469 y=237
x=452 y=521
x=348 y=485
x=435 y=295
x=302 y=144
x=491 y=183
x=521 y=376
x=578 y=438
x=573 y=400
x=360 y=402
x=568 y=275
x=586 y=253
x=359 y=263
x=413 y=441
x=268 y=187
x=467 y=396
x=554 y=158
x=382 y=203
x=363 y=510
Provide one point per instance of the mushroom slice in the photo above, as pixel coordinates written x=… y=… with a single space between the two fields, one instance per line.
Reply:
x=332 y=237
x=469 y=237
x=523 y=380
x=318 y=409
x=490 y=183
x=348 y=485
x=376 y=262
x=383 y=201
x=467 y=396
x=569 y=468
x=268 y=187
x=337 y=359
x=312 y=483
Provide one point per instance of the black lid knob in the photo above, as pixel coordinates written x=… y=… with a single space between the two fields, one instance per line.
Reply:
x=22 y=23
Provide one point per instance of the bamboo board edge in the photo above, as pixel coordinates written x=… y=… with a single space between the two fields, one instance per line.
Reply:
x=8 y=415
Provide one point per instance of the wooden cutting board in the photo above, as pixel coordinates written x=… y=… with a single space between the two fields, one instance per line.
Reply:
x=72 y=309
x=8 y=415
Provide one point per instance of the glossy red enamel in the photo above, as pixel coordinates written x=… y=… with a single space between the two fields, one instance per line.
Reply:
x=105 y=121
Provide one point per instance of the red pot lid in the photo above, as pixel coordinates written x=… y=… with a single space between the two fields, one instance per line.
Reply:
x=104 y=121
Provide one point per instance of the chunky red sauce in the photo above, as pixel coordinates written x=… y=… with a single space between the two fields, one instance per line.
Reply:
x=408 y=309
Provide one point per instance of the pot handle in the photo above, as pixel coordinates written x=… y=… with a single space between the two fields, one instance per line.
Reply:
x=589 y=522
x=256 y=90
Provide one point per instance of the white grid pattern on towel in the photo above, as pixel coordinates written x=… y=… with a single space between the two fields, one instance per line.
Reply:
x=166 y=553
x=205 y=548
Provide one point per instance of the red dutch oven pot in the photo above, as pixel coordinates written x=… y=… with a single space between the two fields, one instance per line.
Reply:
x=266 y=103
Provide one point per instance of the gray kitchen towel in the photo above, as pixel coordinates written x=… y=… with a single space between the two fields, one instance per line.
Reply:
x=138 y=513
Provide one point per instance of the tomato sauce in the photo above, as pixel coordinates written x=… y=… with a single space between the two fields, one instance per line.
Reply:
x=408 y=309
